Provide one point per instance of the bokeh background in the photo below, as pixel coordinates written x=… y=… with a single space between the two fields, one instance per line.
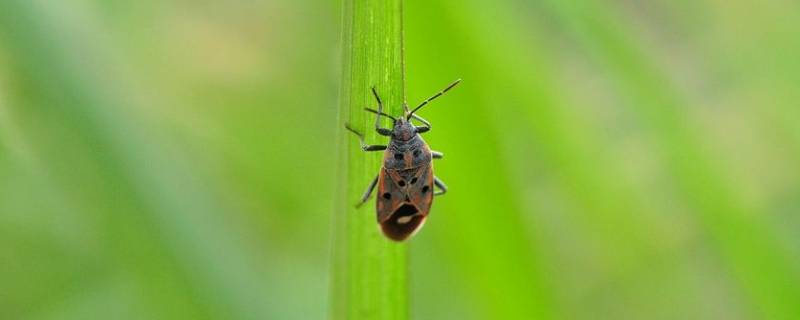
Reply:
x=606 y=159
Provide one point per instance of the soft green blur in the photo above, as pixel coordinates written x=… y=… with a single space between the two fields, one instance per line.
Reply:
x=606 y=160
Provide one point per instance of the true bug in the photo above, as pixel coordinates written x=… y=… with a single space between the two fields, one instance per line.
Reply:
x=406 y=181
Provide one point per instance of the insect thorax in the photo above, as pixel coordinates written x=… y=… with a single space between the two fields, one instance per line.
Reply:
x=408 y=154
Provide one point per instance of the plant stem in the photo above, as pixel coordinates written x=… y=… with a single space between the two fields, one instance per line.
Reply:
x=369 y=271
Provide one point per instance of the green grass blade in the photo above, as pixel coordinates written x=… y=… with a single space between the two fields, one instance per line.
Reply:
x=369 y=271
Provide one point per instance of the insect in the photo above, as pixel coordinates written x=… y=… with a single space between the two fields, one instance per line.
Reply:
x=406 y=181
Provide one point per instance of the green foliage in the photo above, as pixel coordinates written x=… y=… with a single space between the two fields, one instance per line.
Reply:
x=606 y=160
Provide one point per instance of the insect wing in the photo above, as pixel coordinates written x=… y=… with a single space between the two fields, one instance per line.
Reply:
x=420 y=188
x=404 y=200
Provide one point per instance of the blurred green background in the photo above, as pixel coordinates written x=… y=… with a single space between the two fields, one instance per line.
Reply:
x=606 y=160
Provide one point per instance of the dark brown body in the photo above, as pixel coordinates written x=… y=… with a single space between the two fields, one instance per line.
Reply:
x=405 y=187
x=406 y=181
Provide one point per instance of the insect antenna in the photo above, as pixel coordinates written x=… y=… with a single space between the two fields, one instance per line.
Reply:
x=408 y=114
x=380 y=113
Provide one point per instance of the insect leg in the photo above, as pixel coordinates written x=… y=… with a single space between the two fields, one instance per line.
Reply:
x=441 y=185
x=368 y=193
x=364 y=146
x=437 y=154
x=373 y=147
x=381 y=131
x=426 y=127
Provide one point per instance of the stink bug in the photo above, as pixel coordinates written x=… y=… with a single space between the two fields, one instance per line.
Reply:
x=406 y=181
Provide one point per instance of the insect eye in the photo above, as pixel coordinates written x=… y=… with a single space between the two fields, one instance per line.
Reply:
x=398 y=156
